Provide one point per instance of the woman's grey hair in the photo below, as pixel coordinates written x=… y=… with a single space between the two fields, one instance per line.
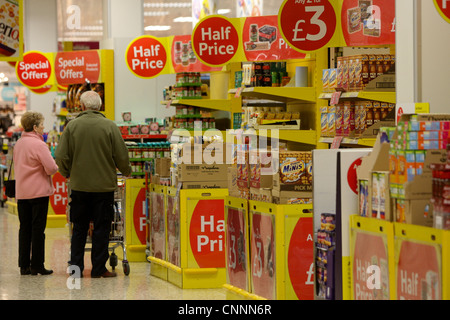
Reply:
x=91 y=100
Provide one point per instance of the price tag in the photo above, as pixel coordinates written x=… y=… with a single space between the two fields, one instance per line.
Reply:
x=336 y=142
x=335 y=98
x=238 y=92
x=168 y=104
x=307 y=25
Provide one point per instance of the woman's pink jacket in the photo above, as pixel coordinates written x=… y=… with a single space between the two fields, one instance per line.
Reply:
x=33 y=167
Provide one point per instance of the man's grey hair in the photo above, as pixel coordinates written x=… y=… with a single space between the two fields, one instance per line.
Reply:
x=91 y=100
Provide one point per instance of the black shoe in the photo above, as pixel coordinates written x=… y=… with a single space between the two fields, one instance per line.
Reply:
x=42 y=271
x=25 y=271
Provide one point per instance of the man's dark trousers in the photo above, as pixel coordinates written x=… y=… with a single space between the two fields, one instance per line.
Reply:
x=84 y=208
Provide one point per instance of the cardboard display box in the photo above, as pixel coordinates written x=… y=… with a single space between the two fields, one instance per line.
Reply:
x=417 y=212
x=291 y=197
x=205 y=185
x=219 y=153
x=261 y=169
x=263 y=195
x=202 y=172
x=162 y=167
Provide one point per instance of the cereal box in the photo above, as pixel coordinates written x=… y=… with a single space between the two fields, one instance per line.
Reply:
x=331 y=121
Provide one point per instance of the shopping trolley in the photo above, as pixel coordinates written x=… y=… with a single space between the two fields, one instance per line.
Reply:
x=117 y=236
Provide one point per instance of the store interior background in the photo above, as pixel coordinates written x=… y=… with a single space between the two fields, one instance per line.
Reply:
x=422 y=47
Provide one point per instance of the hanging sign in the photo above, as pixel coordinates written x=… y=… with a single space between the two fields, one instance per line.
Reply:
x=77 y=66
x=184 y=58
x=215 y=40
x=370 y=267
x=262 y=40
x=369 y=22
x=307 y=25
x=146 y=57
x=35 y=70
x=443 y=7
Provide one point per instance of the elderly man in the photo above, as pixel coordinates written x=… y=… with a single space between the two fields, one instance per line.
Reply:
x=89 y=153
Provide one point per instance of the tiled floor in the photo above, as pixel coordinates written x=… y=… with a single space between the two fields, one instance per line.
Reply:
x=139 y=285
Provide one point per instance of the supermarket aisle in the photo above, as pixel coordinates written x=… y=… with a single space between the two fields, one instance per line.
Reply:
x=139 y=285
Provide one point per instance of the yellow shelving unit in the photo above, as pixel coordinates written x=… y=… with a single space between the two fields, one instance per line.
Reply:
x=389 y=97
x=214 y=104
x=283 y=94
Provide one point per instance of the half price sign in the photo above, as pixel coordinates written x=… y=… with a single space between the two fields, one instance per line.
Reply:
x=146 y=57
x=215 y=40
x=307 y=25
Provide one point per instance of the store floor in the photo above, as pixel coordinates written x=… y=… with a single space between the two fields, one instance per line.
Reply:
x=139 y=285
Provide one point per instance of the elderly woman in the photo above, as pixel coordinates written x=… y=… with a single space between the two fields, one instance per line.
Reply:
x=33 y=168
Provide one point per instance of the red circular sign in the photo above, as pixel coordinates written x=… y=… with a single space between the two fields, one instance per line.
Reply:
x=352 y=177
x=76 y=67
x=307 y=25
x=140 y=216
x=443 y=7
x=301 y=259
x=146 y=57
x=215 y=40
x=58 y=200
x=207 y=234
x=34 y=70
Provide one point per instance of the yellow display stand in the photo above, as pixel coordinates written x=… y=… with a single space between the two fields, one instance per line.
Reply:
x=280 y=252
x=135 y=220
x=420 y=269
x=157 y=229
x=372 y=259
x=237 y=249
x=195 y=238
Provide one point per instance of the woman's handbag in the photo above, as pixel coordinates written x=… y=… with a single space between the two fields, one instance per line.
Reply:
x=10 y=185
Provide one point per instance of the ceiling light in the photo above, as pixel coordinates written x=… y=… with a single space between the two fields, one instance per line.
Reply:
x=157 y=28
x=183 y=19
x=223 y=11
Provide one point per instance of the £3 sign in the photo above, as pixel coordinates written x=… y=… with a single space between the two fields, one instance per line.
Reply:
x=307 y=25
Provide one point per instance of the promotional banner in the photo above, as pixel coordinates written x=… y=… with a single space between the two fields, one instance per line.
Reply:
x=262 y=40
x=236 y=248
x=173 y=230
x=11 y=30
x=300 y=257
x=418 y=271
x=157 y=226
x=207 y=232
x=443 y=8
x=216 y=40
x=58 y=201
x=76 y=67
x=368 y=22
x=307 y=26
x=184 y=58
x=139 y=216
x=35 y=70
x=262 y=259
x=147 y=56
x=370 y=266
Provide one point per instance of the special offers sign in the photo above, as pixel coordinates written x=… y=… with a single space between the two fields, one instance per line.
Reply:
x=35 y=70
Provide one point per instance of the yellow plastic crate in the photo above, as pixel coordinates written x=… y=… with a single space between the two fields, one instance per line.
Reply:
x=157 y=229
x=237 y=249
x=419 y=268
x=281 y=251
x=372 y=259
x=135 y=220
x=195 y=242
